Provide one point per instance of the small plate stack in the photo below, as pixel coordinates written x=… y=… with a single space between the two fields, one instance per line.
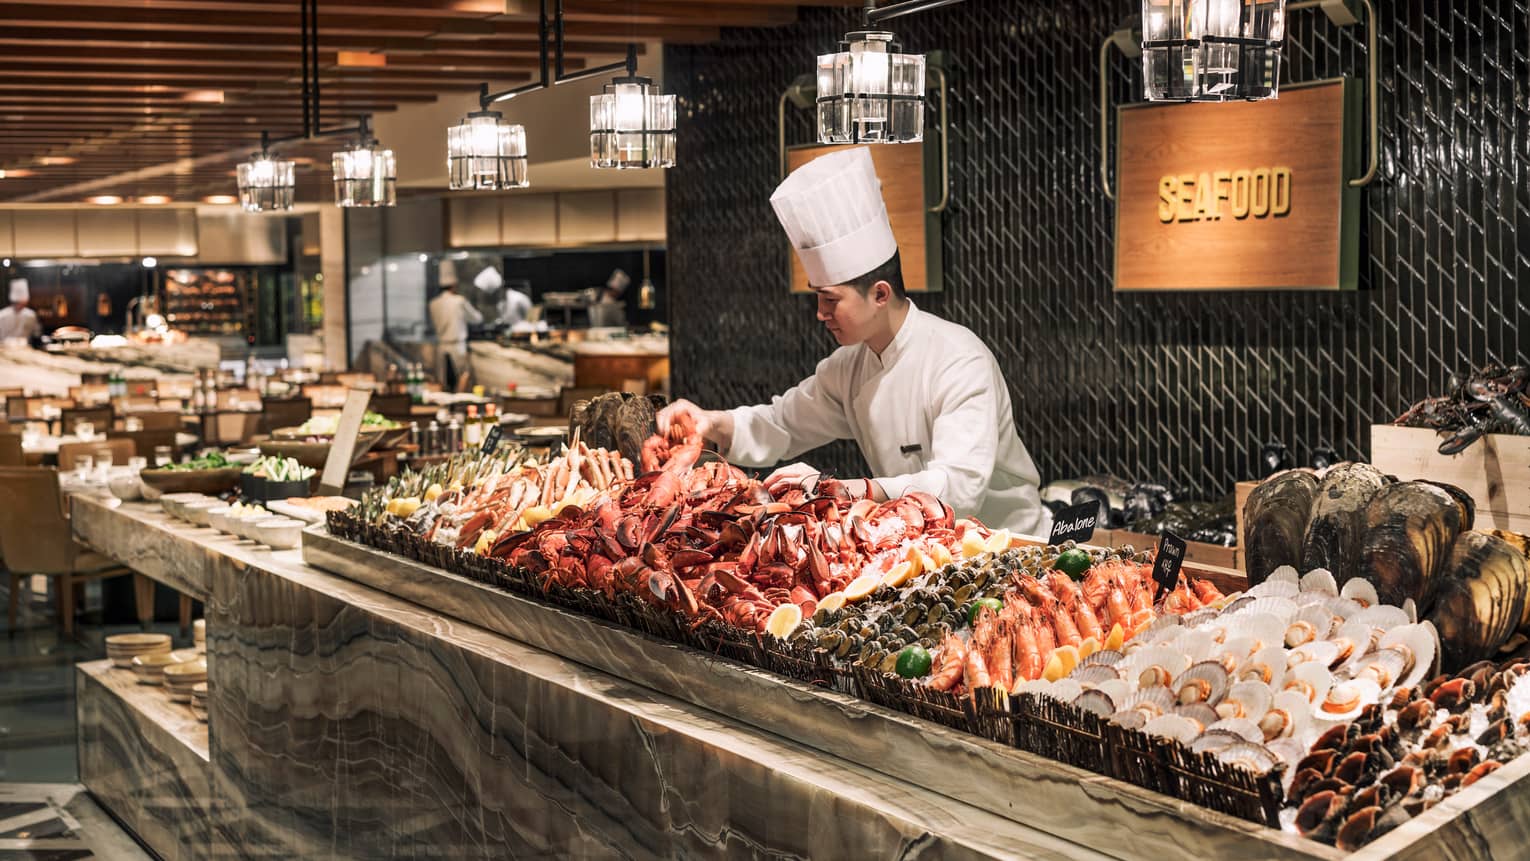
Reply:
x=123 y=648
x=199 y=701
x=150 y=667
x=181 y=678
x=199 y=635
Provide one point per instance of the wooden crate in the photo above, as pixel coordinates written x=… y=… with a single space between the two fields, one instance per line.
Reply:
x=1240 y=496
x=1495 y=470
x=1197 y=552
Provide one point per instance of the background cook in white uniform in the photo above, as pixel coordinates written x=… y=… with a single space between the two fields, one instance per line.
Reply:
x=17 y=321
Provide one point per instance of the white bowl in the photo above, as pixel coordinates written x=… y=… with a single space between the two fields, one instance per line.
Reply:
x=279 y=533
x=126 y=486
x=197 y=512
x=244 y=527
x=172 y=502
x=217 y=518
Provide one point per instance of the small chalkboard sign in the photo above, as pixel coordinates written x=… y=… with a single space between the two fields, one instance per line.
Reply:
x=491 y=441
x=1075 y=523
x=1166 y=565
x=342 y=448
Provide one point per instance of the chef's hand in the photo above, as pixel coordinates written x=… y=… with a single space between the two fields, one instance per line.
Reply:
x=797 y=475
x=713 y=425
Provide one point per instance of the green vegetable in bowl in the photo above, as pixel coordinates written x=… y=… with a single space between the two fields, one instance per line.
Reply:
x=278 y=468
x=209 y=460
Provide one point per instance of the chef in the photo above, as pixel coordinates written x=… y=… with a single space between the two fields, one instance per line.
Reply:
x=922 y=397
x=450 y=315
x=513 y=306
x=17 y=321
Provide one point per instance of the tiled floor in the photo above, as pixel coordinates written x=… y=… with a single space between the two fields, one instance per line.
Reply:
x=44 y=813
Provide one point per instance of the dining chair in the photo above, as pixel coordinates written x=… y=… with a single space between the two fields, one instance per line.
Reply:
x=161 y=419
x=395 y=407
x=100 y=416
x=144 y=441
x=10 y=450
x=36 y=539
x=284 y=413
x=121 y=450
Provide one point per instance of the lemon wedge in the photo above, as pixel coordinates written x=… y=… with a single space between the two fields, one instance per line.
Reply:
x=972 y=544
x=940 y=554
x=434 y=491
x=900 y=574
x=1116 y=638
x=1088 y=647
x=1054 y=669
x=832 y=601
x=1069 y=657
x=862 y=586
x=998 y=542
x=536 y=514
x=784 y=620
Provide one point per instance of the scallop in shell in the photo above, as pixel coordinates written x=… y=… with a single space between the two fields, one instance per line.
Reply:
x=1065 y=690
x=1320 y=652
x=1342 y=607
x=1312 y=622
x=1234 y=652
x=1130 y=718
x=1267 y=665
x=1383 y=616
x=1199 y=712
x=1204 y=682
x=1246 y=700
x=1360 y=590
x=1312 y=680
x=1249 y=756
x=1093 y=675
x=1345 y=700
x=1212 y=741
x=1287 y=718
x=1180 y=728
x=1281 y=607
x=1353 y=640
x=1237 y=602
x=1197 y=618
x=1266 y=629
x=1241 y=727
x=1155 y=627
x=1383 y=666
x=1151 y=702
x=1103 y=658
x=1283 y=577
x=1196 y=645
x=1419 y=646
x=1096 y=701
x=1319 y=580
x=1155 y=665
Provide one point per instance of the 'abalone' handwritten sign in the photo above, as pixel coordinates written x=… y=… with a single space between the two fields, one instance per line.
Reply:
x=1075 y=523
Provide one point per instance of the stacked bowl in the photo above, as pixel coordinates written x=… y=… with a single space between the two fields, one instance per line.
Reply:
x=123 y=648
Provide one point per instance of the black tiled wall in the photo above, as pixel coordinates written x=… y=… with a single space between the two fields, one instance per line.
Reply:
x=1181 y=387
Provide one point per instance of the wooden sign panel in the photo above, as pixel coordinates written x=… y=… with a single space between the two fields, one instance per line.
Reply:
x=900 y=167
x=1240 y=195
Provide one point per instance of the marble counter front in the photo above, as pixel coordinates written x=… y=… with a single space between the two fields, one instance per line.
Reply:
x=347 y=723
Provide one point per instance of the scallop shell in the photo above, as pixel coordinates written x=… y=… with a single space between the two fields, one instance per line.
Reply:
x=1383 y=666
x=1093 y=675
x=1345 y=700
x=1287 y=718
x=1103 y=658
x=1361 y=590
x=1166 y=620
x=1180 y=728
x=1197 y=645
x=1065 y=690
x=1164 y=662
x=1319 y=580
x=1249 y=756
x=1353 y=641
x=1235 y=651
x=1266 y=629
x=1411 y=609
x=1096 y=701
x=1383 y=616
x=1283 y=576
x=1033 y=686
x=1247 y=700
x=1290 y=751
x=1204 y=682
x=1238 y=602
x=1343 y=607
x=1267 y=665
x=1151 y=701
x=1241 y=727
x=1419 y=646
x=1129 y=718
x=1213 y=741
x=1197 y=618
x=1118 y=690
x=1311 y=680
x=1282 y=608
x=1199 y=712
x=1320 y=652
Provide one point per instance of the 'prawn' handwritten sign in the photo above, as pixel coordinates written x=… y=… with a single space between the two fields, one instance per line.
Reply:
x=491 y=441
x=1166 y=565
x=1240 y=195
x=1075 y=523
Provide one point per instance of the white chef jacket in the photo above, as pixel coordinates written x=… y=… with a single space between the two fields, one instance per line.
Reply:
x=18 y=324
x=932 y=413
x=450 y=314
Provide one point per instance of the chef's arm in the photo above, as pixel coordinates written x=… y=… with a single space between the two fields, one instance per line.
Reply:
x=474 y=318
x=809 y=415
x=963 y=446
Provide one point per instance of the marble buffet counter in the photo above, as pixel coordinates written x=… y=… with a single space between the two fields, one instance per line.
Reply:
x=361 y=705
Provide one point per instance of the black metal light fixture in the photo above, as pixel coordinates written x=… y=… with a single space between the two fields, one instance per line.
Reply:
x=630 y=126
x=267 y=183
x=1212 y=50
x=869 y=91
x=367 y=174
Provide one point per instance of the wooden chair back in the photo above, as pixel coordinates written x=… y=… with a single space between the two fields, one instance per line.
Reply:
x=170 y=420
x=10 y=450
x=100 y=416
x=396 y=407
x=284 y=413
x=34 y=533
x=121 y=450
x=144 y=441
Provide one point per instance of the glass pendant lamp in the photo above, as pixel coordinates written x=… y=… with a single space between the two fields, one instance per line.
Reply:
x=1212 y=50
x=631 y=126
x=868 y=92
x=267 y=183
x=366 y=175
x=484 y=152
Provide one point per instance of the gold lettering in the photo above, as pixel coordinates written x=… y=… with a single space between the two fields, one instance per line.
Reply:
x=1261 y=198
x=1168 y=198
x=1221 y=179
x=1240 y=194
x=1280 y=198
x=1187 y=197
x=1205 y=197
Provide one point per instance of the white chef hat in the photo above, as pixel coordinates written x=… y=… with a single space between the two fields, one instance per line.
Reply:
x=447 y=274
x=19 y=291
x=832 y=211
x=489 y=280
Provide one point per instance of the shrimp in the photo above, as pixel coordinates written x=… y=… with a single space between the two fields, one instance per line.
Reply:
x=952 y=651
x=1206 y=591
x=1028 y=660
x=1118 y=609
x=975 y=674
x=1067 y=632
x=999 y=654
x=1064 y=588
x=1040 y=624
x=1088 y=622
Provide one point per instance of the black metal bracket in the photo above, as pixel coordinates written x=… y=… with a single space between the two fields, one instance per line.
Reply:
x=550 y=77
x=871 y=14
x=308 y=13
x=362 y=128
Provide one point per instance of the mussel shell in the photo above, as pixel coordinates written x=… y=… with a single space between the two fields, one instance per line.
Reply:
x=1410 y=527
x=1336 y=525
x=1481 y=599
x=1275 y=518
